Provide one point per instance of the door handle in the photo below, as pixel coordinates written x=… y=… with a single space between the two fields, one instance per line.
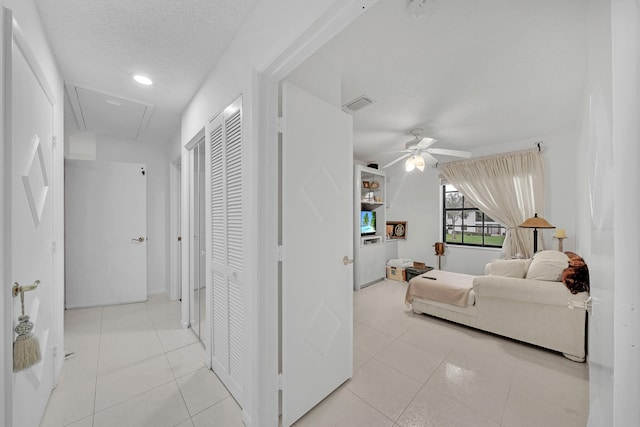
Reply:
x=139 y=239
x=20 y=290
x=346 y=260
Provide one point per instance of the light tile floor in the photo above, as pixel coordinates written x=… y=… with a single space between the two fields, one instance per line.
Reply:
x=133 y=365
x=416 y=370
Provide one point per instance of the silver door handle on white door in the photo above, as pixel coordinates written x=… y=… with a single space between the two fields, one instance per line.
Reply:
x=139 y=239
x=346 y=260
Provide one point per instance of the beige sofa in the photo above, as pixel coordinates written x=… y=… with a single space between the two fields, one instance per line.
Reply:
x=524 y=300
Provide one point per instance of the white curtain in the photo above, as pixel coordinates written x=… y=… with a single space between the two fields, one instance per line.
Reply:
x=507 y=187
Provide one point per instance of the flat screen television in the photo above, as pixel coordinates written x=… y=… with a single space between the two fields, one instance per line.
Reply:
x=367 y=223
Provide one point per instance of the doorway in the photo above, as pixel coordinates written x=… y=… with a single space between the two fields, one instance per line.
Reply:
x=197 y=239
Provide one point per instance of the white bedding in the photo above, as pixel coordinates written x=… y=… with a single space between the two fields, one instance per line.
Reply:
x=442 y=286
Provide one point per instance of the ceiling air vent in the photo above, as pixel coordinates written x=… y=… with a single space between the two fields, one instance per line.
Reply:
x=358 y=103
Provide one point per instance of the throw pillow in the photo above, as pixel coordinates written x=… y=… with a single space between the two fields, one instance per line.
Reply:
x=548 y=265
x=576 y=276
x=508 y=268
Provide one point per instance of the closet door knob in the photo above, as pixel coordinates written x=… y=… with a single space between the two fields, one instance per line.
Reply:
x=346 y=260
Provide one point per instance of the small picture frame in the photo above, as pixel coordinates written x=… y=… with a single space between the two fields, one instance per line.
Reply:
x=398 y=229
x=365 y=184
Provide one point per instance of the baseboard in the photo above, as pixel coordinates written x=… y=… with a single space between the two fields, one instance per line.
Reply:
x=157 y=292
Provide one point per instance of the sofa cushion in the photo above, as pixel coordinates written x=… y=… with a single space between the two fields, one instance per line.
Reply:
x=508 y=268
x=523 y=290
x=548 y=265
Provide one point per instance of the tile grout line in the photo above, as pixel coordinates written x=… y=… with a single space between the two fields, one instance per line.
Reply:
x=368 y=404
x=95 y=391
x=175 y=378
x=421 y=388
x=164 y=353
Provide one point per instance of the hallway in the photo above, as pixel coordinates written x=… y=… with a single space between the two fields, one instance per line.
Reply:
x=133 y=365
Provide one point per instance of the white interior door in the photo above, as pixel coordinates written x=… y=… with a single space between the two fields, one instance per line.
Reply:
x=317 y=286
x=226 y=244
x=30 y=112
x=106 y=233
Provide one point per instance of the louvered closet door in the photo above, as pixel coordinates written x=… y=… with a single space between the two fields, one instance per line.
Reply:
x=226 y=244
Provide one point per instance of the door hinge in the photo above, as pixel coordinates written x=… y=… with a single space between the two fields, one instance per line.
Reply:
x=54 y=141
x=280 y=124
x=53 y=246
x=280 y=382
x=280 y=253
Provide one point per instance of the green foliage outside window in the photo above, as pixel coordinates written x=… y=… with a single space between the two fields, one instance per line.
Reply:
x=465 y=224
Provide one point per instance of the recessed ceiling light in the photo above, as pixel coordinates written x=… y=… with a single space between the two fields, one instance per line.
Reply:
x=143 y=80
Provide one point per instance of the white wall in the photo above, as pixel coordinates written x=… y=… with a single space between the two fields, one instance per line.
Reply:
x=415 y=197
x=271 y=30
x=596 y=226
x=154 y=155
x=608 y=177
x=26 y=15
x=320 y=78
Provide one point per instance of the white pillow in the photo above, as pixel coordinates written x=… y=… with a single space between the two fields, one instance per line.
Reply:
x=548 y=265
x=508 y=268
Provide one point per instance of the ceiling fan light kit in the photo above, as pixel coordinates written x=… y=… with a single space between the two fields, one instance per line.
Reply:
x=409 y=165
x=418 y=152
x=414 y=162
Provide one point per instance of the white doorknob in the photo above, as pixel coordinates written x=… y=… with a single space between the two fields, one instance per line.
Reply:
x=346 y=260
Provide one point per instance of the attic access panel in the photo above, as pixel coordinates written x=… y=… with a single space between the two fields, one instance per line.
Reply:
x=105 y=114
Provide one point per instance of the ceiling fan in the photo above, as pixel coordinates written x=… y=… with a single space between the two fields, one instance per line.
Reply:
x=418 y=150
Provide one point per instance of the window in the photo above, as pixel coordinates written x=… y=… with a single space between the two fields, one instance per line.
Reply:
x=464 y=224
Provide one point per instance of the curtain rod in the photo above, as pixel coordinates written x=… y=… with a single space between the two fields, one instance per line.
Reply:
x=537 y=148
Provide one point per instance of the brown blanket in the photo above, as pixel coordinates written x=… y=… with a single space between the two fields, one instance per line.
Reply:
x=449 y=288
x=576 y=276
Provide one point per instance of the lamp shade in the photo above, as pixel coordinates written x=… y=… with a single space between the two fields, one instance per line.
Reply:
x=536 y=222
x=409 y=165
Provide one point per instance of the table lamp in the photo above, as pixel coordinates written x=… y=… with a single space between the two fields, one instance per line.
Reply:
x=535 y=222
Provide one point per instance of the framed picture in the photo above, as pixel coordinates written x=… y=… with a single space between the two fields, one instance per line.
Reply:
x=397 y=229
x=365 y=184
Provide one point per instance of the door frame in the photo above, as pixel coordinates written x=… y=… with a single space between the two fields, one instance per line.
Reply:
x=336 y=17
x=186 y=214
x=175 y=211
x=6 y=30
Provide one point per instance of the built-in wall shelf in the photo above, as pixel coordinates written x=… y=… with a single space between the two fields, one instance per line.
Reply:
x=371 y=205
x=371 y=240
x=369 y=226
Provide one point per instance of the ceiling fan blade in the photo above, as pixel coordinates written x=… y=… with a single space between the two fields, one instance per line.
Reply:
x=447 y=152
x=399 y=151
x=425 y=142
x=404 y=156
x=428 y=158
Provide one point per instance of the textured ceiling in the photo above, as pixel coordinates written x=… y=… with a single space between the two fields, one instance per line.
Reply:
x=470 y=72
x=100 y=44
